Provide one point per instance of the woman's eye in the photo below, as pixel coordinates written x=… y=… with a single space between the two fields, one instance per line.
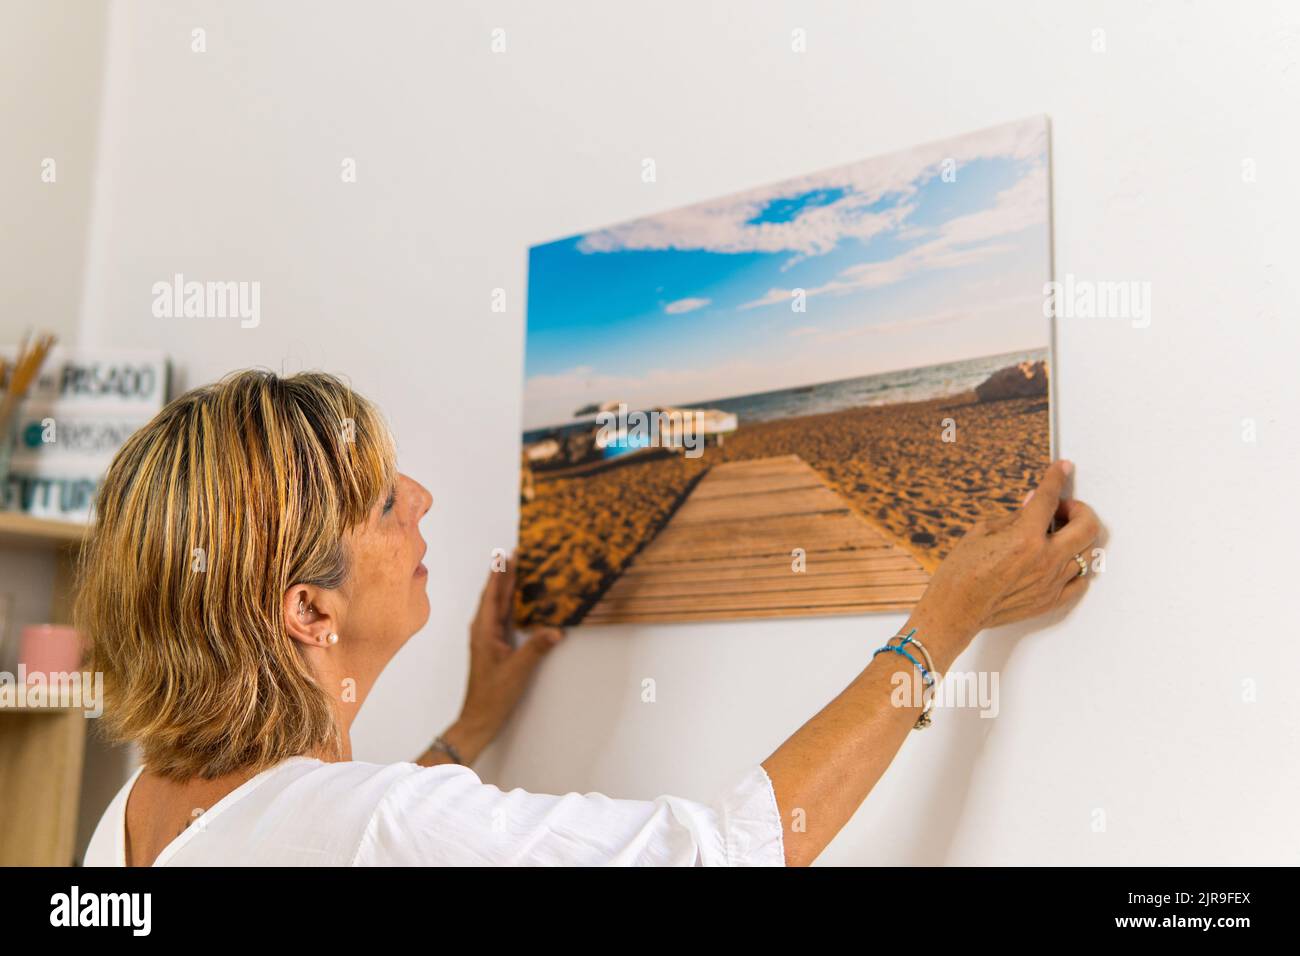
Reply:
x=392 y=498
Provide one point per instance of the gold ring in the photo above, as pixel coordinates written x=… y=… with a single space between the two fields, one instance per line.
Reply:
x=1082 y=563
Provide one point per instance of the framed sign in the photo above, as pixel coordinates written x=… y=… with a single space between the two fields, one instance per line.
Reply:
x=80 y=410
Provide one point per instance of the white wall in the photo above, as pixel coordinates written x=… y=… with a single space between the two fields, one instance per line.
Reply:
x=51 y=70
x=225 y=165
x=51 y=77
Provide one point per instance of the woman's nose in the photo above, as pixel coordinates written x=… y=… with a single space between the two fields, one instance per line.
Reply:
x=423 y=500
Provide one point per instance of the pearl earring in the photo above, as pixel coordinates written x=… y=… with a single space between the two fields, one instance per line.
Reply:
x=333 y=638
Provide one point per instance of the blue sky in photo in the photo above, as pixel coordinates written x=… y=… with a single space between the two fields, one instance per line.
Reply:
x=901 y=268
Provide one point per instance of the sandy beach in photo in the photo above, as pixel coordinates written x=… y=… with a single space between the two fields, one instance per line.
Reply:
x=579 y=533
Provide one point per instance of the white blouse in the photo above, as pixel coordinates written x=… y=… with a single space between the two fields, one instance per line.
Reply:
x=305 y=812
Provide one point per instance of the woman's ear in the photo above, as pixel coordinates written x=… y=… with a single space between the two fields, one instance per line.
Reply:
x=309 y=616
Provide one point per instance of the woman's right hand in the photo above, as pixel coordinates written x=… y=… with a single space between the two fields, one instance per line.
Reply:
x=1013 y=567
x=1003 y=570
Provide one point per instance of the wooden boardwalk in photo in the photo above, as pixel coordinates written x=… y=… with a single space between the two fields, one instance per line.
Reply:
x=727 y=553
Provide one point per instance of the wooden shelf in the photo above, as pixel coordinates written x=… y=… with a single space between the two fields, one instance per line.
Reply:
x=19 y=530
x=42 y=749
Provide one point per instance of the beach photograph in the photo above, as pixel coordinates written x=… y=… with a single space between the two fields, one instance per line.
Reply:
x=790 y=401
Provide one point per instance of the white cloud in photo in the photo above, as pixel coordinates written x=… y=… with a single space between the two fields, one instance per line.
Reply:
x=958 y=242
x=682 y=306
x=725 y=225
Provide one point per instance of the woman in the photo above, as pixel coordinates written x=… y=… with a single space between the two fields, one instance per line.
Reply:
x=256 y=562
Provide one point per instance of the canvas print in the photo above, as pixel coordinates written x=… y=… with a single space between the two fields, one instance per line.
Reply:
x=789 y=401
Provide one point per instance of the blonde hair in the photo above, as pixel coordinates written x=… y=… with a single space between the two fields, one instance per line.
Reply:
x=233 y=493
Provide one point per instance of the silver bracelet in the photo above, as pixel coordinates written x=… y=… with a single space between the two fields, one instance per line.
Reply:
x=448 y=749
x=929 y=661
x=924 y=720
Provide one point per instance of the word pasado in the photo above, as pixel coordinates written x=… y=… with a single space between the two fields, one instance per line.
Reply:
x=179 y=299
x=673 y=428
x=103 y=909
x=119 y=379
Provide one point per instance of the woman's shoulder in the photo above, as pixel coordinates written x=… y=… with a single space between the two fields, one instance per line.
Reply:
x=371 y=783
x=301 y=812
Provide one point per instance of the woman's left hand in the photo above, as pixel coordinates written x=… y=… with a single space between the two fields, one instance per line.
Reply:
x=498 y=672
